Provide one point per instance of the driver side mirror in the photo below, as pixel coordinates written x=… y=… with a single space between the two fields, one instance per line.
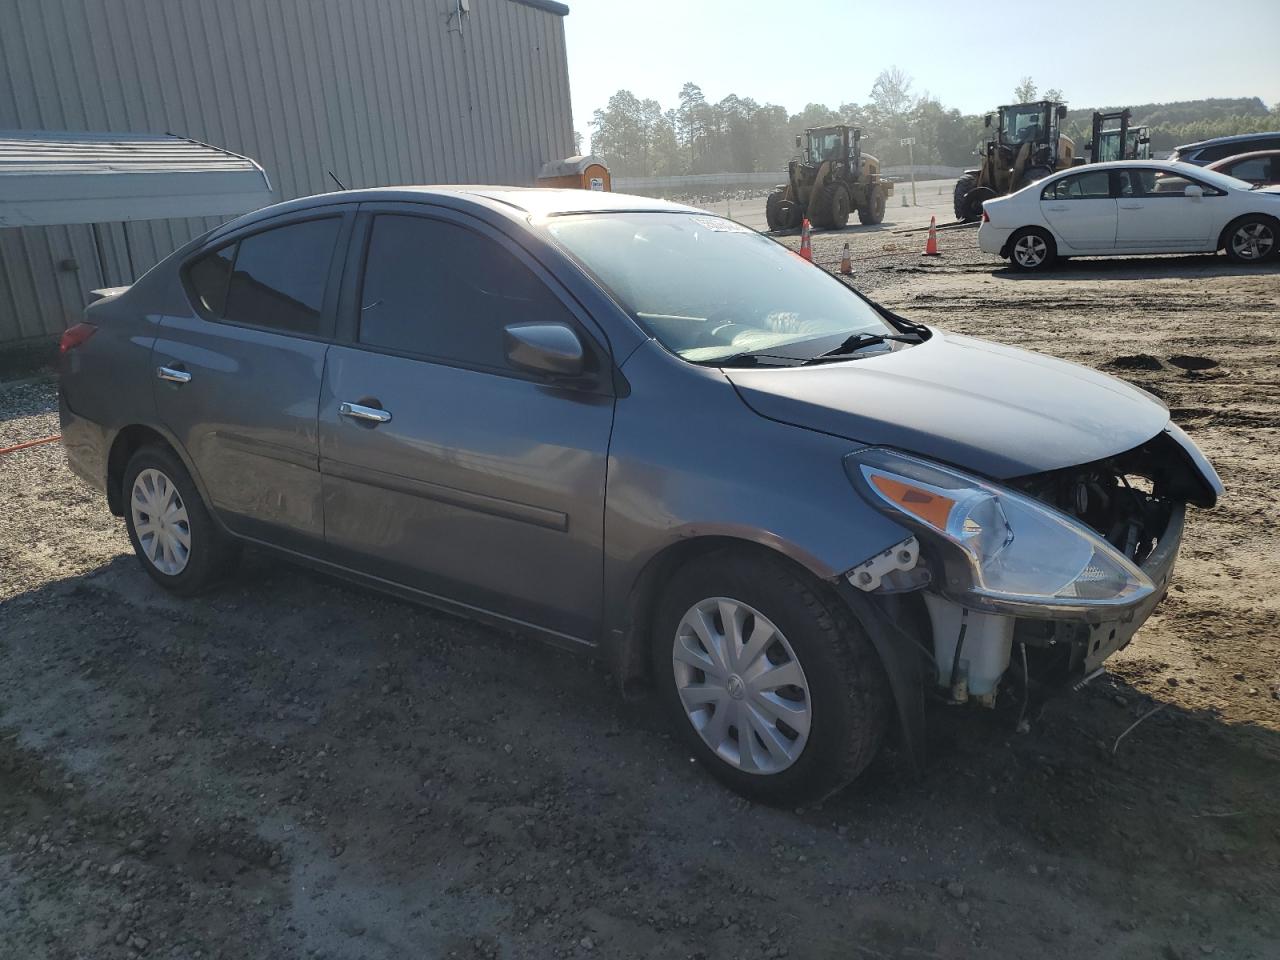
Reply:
x=986 y=121
x=551 y=349
x=797 y=141
x=1194 y=192
x=1062 y=111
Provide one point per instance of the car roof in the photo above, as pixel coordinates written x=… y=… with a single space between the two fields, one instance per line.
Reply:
x=1251 y=155
x=1234 y=138
x=1122 y=164
x=520 y=202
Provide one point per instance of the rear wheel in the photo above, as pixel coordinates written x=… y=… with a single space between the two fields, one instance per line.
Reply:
x=873 y=212
x=177 y=542
x=1251 y=239
x=1032 y=249
x=770 y=680
x=962 y=206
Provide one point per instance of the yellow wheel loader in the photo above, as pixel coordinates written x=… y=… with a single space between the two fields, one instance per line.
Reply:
x=831 y=178
x=1027 y=145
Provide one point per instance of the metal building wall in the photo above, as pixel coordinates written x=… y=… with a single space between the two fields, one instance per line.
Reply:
x=378 y=91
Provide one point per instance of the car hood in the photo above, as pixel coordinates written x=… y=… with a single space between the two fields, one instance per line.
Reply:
x=995 y=410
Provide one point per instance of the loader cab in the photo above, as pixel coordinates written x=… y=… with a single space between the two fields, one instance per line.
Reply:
x=1037 y=124
x=837 y=143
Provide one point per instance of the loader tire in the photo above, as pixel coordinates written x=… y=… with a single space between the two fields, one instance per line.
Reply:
x=774 y=212
x=838 y=210
x=1030 y=176
x=819 y=208
x=873 y=212
x=964 y=209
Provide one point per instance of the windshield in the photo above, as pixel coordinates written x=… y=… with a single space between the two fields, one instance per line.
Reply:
x=1022 y=124
x=709 y=289
x=825 y=146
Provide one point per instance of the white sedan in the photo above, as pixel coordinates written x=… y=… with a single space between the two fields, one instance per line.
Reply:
x=1128 y=207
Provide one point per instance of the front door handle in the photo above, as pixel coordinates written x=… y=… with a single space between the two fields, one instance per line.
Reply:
x=173 y=375
x=358 y=411
x=1130 y=206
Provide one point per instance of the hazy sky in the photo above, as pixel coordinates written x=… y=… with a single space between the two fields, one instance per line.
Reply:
x=1098 y=52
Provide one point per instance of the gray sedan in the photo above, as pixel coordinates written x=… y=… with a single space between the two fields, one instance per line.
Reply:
x=645 y=433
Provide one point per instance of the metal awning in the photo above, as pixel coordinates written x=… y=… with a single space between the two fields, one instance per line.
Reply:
x=52 y=177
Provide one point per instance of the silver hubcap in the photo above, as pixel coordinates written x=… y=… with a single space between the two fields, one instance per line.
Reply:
x=1253 y=241
x=160 y=521
x=742 y=686
x=1030 y=250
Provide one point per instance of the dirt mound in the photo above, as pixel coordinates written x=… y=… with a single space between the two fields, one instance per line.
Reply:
x=1137 y=361
x=1184 y=362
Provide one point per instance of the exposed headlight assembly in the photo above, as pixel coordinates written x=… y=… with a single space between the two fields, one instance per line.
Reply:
x=1001 y=551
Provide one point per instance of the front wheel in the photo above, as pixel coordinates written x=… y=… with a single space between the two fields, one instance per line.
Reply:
x=771 y=682
x=1251 y=239
x=774 y=211
x=1032 y=249
x=960 y=201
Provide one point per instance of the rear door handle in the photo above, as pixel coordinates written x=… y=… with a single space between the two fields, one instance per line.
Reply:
x=173 y=375
x=1131 y=206
x=1057 y=209
x=357 y=411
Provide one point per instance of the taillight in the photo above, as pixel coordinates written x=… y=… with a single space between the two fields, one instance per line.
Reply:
x=986 y=217
x=74 y=336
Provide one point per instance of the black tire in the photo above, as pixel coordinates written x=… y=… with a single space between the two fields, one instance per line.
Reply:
x=962 y=208
x=1253 y=238
x=848 y=691
x=819 y=208
x=774 y=213
x=839 y=208
x=212 y=553
x=1037 y=240
x=873 y=212
x=1030 y=176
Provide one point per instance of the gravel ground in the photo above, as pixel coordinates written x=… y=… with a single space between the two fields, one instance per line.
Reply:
x=291 y=767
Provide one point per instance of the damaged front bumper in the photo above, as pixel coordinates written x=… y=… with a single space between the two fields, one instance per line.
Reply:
x=972 y=649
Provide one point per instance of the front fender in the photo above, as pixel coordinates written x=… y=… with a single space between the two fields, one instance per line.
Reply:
x=690 y=461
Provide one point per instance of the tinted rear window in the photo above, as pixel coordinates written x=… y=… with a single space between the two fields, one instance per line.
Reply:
x=280 y=277
x=208 y=277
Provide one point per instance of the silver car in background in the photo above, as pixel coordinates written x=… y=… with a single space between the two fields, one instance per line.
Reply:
x=643 y=432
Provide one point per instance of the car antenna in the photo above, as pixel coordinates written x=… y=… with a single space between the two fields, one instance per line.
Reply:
x=341 y=185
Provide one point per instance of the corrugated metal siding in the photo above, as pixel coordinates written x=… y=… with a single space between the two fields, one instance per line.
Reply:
x=378 y=91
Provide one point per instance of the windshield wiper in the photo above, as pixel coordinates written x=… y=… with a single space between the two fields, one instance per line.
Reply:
x=749 y=358
x=855 y=342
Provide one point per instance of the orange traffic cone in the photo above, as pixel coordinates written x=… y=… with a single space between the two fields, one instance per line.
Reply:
x=931 y=245
x=806 y=250
x=846 y=266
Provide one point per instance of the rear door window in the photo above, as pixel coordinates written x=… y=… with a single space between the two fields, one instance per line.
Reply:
x=279 y=277
x=439 y=290
x=208 y=278
x=1080 y=186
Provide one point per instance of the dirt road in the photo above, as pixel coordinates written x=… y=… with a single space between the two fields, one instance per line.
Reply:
x=294 y=768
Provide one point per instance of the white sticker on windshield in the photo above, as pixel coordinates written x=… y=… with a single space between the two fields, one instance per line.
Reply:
x=716 y=225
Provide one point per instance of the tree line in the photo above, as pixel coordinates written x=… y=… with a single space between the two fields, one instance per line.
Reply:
x=641 y=138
